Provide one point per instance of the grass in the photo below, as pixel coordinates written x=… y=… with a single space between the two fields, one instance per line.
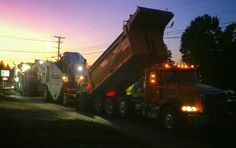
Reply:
x=27 y=132
x=63 y=133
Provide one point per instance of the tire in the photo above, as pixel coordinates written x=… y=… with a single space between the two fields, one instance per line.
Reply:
x=46 y=95
x=98 y=105
x=82 y=103
x=110 y=106
x=123 y=109
x=170 y=119
x=64 y=99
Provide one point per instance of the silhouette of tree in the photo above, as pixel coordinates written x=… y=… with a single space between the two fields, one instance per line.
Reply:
x=2 y=66
x=205 y=44
x=166 y=55
x=228 y=45
x=200 y=45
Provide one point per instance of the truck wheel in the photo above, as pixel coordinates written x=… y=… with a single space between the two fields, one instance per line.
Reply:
x=98 y=105
x=170 y=119
x=64 y=100
x=110 y=106
x=122 y=107
x=45 y=95
x=82 y=103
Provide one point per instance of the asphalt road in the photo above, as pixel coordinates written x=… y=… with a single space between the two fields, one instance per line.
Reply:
x=222 y=135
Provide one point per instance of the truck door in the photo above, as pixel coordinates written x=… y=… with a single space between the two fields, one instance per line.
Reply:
x=154 y=88
x=160 y=86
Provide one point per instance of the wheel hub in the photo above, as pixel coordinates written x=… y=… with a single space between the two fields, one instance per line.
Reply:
x=109 y=108
x=169 y=121
x=122 y=107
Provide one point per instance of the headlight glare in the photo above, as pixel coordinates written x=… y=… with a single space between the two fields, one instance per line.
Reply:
x=65 y=78
x=187 y=108
x=80 y=68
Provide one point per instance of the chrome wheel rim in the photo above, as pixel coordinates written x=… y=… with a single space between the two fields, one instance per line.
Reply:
x=169 y=121
x=64 y=98
x=122 y=107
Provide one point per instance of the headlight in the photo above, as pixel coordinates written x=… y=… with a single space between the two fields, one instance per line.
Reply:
x=81 y=77
x=17 y=79
x=187 y=108
x=65 y=78
x=41 y=62
x=25 y=67
x=80 y=68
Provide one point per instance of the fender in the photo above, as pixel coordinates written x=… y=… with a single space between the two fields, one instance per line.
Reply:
x=172 y=102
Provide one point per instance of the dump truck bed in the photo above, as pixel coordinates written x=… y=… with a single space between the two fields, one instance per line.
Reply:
x=139 y=46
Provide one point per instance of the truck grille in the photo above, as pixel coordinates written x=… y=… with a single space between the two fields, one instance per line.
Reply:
x=215 y=104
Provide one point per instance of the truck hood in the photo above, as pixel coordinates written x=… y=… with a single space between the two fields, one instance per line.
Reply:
x=207 y=90
x=197 y=95
x=192 y=90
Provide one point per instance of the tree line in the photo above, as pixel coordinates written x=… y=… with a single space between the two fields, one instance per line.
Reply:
x=212 y=47
x=4 y=66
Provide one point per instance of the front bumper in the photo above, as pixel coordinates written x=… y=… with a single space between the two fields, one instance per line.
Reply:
x=196 y=118
x=201 y=119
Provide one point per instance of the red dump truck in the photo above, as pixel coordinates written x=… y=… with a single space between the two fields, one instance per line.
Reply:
x=130 y=77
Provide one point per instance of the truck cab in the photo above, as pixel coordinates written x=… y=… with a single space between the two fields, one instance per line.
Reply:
x=169 y=82
x=173 y=94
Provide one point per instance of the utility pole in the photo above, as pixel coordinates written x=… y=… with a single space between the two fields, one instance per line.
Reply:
x=59 y=45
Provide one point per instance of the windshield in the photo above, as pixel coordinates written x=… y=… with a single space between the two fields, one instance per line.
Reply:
x=181 y=76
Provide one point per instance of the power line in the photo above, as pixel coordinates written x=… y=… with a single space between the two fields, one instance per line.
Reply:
x=30 y=58
x=93 y=34
x=225 y=23
x=89 y=48
x=180 y=31
x=95 y=52
x=201 y=5
x=105 y=45
x=96 y=27
x=24 y=51
x=27 y=39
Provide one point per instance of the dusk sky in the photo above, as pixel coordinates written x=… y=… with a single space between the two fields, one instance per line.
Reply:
x=28 y=27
